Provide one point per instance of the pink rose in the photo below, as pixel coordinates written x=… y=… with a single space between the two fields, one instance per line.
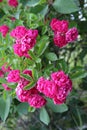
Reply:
x=13 y=76
x=64 y=86
x=21 y=49
x=47 y=87
x=30 y=38
x=59 y=26
x=4 y=30
x=36 y=101
x=13 y=3
x=72 y=35
x=60 y=39
x=18 y=32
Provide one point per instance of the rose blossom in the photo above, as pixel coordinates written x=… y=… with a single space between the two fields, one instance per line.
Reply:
x=21 y=49
x=1 y=0
x=18 y=32
x=61 y=79
x=72 y=35
x=30 y=38
x=47 y=87
x=13 y=76
x=64 y=86
x=13 y=3
x=60 y=39
x=36 y=101
x=23 y=95
x=40 y=84
x=59 y=26
x=4 y=30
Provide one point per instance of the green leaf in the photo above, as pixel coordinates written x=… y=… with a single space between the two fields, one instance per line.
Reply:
x=78 y=75
x=31 y=109
x=57 y=108
x=51 y=56
x=32 y=3
x=30 y=85
x=61 y=64
x=43 y=44
x=65 y=6
x=2 y=80
x=22 y=108
x=26 y=77
x=35 y=74
x=34 y=58
x=4 y=108
x=44 y=117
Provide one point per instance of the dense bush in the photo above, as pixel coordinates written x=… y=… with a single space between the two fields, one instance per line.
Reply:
x=43 y=68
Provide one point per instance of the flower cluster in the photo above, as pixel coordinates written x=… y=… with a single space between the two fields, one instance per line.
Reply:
x=62 y=34
x=25 y=40
x=57 y=88
x=4 y=30
x=31 y=96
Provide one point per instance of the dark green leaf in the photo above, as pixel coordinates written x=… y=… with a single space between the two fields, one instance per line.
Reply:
x=65 y=6
x=22 y=108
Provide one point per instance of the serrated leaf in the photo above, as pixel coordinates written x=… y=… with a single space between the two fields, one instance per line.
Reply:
x=65 y=6
x=57 y=108
x=44 y=117
x=51 y=56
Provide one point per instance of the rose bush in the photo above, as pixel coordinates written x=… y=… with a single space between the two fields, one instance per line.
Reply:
x=35 y=57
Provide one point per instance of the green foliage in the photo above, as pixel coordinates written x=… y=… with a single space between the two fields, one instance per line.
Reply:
x=65 y=6
x=44 y=117
x=57 y=108
x=22 y=108
x=45 y=59
x=4 y=107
